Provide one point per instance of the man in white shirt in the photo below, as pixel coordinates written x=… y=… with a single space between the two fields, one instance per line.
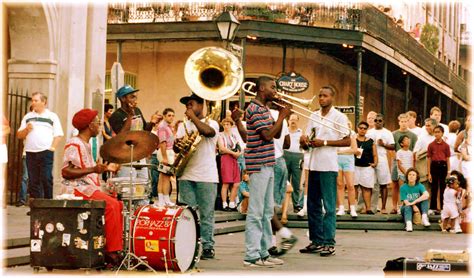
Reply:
x=383 y=138
x=42 y=131
x=198 y=183
x=420 y=149
x=293 y=158
x=435 y=113
x=323 y=170
x=412 y=123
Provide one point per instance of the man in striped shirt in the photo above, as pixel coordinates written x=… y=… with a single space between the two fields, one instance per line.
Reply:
x=259 y=160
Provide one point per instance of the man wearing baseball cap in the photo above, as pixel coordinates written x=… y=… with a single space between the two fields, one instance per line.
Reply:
x=130 y=118
x=81 y=177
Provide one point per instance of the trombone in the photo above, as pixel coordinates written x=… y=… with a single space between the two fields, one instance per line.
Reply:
x=301 y=104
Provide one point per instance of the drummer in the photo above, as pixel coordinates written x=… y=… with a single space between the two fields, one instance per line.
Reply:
x=129 y=118
x=81 y=177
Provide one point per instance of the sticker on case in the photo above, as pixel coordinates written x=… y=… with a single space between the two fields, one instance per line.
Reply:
x=60 y=226
x=66 y=240
x=35 y=245
x=49 y=228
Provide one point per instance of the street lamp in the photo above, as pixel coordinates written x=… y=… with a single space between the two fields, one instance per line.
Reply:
x=227 y=24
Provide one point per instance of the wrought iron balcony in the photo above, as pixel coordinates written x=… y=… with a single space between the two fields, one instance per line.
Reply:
x=340 y=16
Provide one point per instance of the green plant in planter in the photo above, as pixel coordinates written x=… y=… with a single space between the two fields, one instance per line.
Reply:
x=430 y=38
x=262 y=13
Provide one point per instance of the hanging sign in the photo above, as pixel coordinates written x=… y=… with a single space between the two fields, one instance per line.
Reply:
x=292 y=82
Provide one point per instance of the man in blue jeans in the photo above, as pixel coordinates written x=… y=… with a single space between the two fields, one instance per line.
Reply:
x=42 y=131
x=323 y=169
x=260 y=161
x=198 y=183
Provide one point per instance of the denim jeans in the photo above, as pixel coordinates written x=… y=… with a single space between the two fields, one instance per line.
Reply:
x=201 y=195
x=322 y=187
x=24 y=182
x=407 y=211
x=294 y=172
x=241 y=162
x=258 y=228
x=154 y=176
x=40 y=168
x=280 y=180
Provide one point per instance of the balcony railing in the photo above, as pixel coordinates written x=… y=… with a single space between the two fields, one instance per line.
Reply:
x=340 y=16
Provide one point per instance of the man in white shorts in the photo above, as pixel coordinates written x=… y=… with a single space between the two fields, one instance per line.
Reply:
x=383 y=139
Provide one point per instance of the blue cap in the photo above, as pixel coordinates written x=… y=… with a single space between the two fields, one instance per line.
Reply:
x=125 y=90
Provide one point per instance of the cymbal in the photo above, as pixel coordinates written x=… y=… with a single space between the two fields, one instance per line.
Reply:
x=118 y=149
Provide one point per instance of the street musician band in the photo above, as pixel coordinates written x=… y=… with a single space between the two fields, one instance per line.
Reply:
x=189 y=152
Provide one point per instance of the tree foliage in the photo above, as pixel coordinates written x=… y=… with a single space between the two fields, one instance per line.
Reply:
x=430 y=38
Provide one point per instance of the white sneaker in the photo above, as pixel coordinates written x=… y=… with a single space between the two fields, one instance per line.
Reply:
x=340 y=211
x=353 y=213
x=425 y=221
x=456 y=230
x=409 y=226
x=259 y=263
x=169 y=204
x=273 y=260
x=302 y=212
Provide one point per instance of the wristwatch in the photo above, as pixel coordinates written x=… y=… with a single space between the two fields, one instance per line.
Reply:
x=325 y=142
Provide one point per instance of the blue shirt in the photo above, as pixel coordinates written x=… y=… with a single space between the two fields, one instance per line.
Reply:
x=411 y=193
x=244 y=187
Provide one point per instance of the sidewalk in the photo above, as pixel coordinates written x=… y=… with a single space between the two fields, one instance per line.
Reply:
x=357 y=252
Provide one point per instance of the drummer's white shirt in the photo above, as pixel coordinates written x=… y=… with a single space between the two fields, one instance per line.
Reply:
x=202 y=166
x=324 y=159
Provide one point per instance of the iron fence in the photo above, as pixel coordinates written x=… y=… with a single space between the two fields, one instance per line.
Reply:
x=17 y=107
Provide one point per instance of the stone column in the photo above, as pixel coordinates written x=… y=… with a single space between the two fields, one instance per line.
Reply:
x=95 y=56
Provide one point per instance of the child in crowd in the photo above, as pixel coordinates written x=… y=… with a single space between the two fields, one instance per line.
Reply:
x=244 y=193
x=464 y=196
x=414 y=198
x=451 y=206
x=438 y=155
x=405 y=158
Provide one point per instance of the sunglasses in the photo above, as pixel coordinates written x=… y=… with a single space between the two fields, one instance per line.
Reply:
x=378 y=121
x=361 y=127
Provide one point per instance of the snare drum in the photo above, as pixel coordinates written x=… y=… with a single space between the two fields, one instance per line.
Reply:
x=166 y=237
x=121 y=185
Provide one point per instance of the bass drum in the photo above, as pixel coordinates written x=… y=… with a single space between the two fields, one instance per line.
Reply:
x=166 y=237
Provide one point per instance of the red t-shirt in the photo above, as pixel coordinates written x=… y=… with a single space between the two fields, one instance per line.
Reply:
x=438 y=151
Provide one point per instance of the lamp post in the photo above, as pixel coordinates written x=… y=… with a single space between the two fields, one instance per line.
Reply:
x=227 y=24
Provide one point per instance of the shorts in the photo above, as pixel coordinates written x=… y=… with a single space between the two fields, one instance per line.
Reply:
x=395 y=175
x=382 y=172
x=170 y=154
x=449 y=211
x=346 y=162
x=364 y=176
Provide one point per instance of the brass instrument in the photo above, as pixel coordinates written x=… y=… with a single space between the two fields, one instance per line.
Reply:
x=214 y=74
x=301 y=104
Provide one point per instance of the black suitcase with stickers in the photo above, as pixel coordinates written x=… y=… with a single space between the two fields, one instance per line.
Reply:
x=67 y=234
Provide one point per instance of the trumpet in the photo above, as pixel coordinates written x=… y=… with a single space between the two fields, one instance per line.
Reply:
x=302 y=104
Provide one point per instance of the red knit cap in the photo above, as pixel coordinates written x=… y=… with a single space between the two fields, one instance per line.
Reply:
x=83 y=118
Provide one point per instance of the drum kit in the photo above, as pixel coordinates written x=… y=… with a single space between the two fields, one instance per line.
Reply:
x=156 y=237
